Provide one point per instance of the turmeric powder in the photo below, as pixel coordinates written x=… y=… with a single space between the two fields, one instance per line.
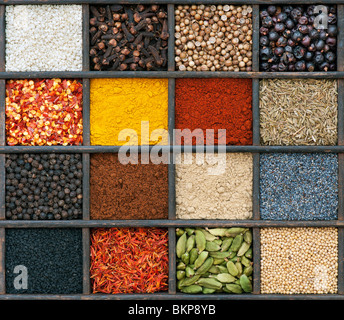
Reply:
x=126 y=104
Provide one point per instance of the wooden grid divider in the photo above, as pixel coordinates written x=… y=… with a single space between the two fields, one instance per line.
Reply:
x=171 y=223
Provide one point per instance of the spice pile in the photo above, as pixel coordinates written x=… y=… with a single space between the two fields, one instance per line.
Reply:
x=127 y=191
x=44 y=112
x=129 y=260
x=298 y=112
x=129 y=102
x=215 y=104
x=296 y=186
x=214 y=260
x=219 y=188
x=213 y=38
x=128 y=37
x=52 y=257
x=44 y=38
x=43 y=186
x=298 y=38
x=299 y=260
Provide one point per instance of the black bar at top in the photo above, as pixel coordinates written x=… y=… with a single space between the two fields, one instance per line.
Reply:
x=170 y=74
x=165 y=148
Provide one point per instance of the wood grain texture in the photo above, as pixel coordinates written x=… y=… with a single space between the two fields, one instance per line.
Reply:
x=175 y=149
x=86 y=224
x=162 y=223
x=171 y=74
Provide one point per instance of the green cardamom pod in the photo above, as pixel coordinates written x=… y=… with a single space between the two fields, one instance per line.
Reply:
x=243 y=248
x=200 y=259
x=189 y=281
x=236 y=244
x=194 y=288
x=245 y=283
x=200 y=240
x=181 y=266
x=212 y=246
x=249 y=253
x=248 y=270
x=181 y=245
x=189 y=272
x=239 y=267
x=233 y=288
x=193 y=255
x=207 y=290
x=185 y=258
x=232 y=269
x=226 y=243
x=246 y=262
x=232 y=232
x=219 y=255
x=248 y=236
x=180 y=274
x=179 y=232
x=190 y=243
x=209 y=283
x=218 y=232
x=208 y=235
x=189 y=231
x=225 y=278
x=205 y=266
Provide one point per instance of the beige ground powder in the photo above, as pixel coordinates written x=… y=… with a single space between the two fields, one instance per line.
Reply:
x=201 y=194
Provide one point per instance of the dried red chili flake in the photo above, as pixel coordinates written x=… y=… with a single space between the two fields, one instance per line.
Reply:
x=129 y=260
x=44 y=112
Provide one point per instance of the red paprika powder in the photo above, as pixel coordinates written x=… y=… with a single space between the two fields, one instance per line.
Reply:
x=215 y=104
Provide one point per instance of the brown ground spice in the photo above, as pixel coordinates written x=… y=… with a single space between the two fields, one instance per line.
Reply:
x=131 y=191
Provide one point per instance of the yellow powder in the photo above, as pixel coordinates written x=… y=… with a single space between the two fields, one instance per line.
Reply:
x=131 y=105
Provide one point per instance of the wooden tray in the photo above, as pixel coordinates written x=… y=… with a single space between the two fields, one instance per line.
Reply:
x=171 y=223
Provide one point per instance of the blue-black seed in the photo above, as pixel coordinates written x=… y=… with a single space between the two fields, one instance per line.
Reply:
x=53 y=258
x=297 y=186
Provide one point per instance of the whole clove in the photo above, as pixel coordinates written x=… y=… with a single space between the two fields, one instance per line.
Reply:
x=128 y=37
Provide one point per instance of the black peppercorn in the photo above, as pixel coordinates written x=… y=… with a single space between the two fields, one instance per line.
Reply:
x=34 y=189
